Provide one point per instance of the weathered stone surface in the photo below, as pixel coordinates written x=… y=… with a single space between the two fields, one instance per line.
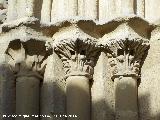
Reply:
x=53 y=47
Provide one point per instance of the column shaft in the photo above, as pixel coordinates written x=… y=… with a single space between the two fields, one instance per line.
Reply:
x=78 y=97
x=126 y=98
x=8 y=91
x=27 y=97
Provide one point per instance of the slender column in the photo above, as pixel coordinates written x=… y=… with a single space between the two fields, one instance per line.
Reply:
x=8 y=92
x=78 y=56
x=28 y=79
x=46 y=11
x=7 y=87
x=27 y=97
x=78 y=97
x=125 y=76
x=126 y=98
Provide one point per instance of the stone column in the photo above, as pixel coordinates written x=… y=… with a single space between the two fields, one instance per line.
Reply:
x=8 y=92
x=125 y=56
x=7 y=87
x=27 y=70
x=125 y=73
x=27 y=96
x=78 y=55
x=126 y=98
x=78 y=97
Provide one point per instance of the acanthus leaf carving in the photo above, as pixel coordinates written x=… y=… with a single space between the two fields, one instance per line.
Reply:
x=127 y=50
x=78 y=53
x=26 y=65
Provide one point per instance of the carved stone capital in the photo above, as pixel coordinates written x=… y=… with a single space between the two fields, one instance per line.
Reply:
x=127 y=50
x=77 y=51
x=23 y=64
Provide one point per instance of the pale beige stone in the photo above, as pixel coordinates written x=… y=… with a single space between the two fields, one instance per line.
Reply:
x=97 y=58
x=78 y=97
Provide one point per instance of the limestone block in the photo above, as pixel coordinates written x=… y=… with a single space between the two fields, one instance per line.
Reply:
x=126 y=98
x=7 y=85
x=8 y=91
x=78 y=97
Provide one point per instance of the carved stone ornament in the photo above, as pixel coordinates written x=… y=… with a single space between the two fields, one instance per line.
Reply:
x=127 y=50
x=25 y=65
x=77 y=51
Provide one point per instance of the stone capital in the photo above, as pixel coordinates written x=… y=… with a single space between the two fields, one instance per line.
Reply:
x=127 y=50
x=23 y=64
x=77 y=51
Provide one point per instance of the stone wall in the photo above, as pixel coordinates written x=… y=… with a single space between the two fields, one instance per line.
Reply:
x=97 y=59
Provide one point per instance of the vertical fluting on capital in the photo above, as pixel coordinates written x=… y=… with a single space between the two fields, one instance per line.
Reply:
x=125 y=56
x=12 y=10
x=78 y=53
x=27 y=71
x=46 y=11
